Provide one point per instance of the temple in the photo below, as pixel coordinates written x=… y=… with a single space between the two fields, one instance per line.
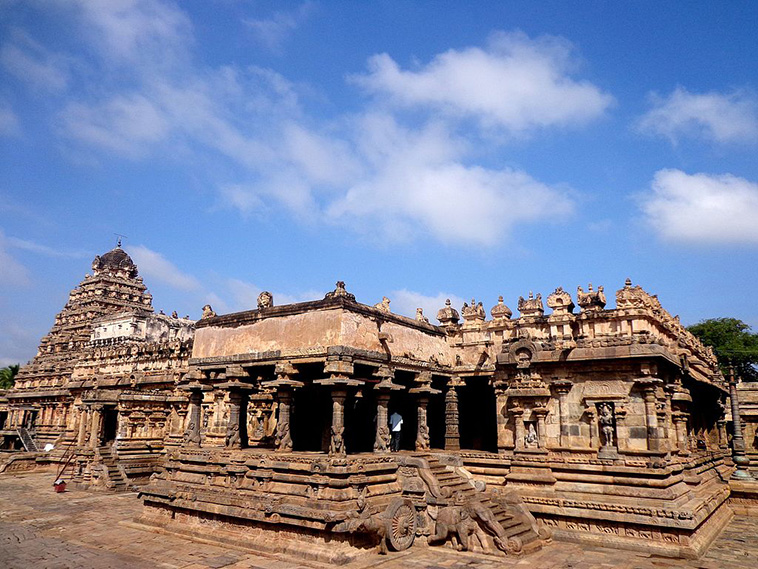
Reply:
x=271 y=427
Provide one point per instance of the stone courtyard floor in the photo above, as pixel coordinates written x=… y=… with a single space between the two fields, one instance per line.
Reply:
x=82 y=530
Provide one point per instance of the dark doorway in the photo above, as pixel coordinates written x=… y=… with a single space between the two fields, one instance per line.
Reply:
x=3 y=419
x=435 y=414
x=311 y=419
x=110 y=424
x=360 y=421
x=478 y=423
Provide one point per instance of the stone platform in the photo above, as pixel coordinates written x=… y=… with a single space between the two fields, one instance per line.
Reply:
x=83 y=530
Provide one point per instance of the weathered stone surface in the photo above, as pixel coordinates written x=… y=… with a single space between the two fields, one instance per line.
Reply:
x=273 y=426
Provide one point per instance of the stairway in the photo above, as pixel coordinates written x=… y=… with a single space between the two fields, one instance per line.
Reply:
x=111 y=473
x=26 y=439
x=507 y=508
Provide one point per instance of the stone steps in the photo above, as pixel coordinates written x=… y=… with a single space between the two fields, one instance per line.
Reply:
x=512 y=518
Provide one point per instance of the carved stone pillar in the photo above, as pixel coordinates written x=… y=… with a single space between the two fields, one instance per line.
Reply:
x=337 y=444
x=591 y=413
x=452 y=434
x=518 y=416
x=284 y=385
x=680 y=426
x=422 y=430
x=94 y=435
x=82 y=434
x=723 y=439
x=123 y=421
x=382 y=440
x=236 y=425
x=383 y=390
x=233 y=436
x=283 y=436
x=541 y=413
x=563 y=388
x=741 y=461
x=649 y=390
x=422 y=393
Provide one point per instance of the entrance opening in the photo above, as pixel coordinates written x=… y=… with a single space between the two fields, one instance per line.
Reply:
x=435 y=414
x=110 y=425
x=311 y=419
x=360 y=421
x=405 y=404
x=478 y=423
x=3 y=419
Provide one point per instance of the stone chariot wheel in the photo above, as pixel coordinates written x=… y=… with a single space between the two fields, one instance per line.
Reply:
x=401 y=518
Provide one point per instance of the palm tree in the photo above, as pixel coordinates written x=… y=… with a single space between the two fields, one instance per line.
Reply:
x=8 y=376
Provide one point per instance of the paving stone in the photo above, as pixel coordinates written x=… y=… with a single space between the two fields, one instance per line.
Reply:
x=92 y=531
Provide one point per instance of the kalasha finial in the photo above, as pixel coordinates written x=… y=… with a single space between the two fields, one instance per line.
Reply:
x=118 y=241
x=628 y=282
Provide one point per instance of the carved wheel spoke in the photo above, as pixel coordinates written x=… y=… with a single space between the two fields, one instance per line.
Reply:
x=402 y=525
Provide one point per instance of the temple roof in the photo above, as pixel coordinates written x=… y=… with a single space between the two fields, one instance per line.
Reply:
x=115 y=260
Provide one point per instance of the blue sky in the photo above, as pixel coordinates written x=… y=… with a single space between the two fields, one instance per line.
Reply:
x=416 y=150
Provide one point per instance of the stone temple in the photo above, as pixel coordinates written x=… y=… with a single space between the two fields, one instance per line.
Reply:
x=273 y=428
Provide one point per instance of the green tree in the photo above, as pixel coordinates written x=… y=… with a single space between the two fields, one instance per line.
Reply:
x=8 y=376
x=734 y=344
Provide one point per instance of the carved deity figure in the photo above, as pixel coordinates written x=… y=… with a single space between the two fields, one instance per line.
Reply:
x=530 y=440
x=283 y=437
x=192 y=434
x=265 y=300
x=232 y=436
x=337 y=445
x=383 y=437
x=207 y=312
x=422 y=437
x=420 y=316
x=606 y=422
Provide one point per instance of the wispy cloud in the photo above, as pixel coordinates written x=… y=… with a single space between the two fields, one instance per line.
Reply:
x=702 y=208
x=719 y=117
x=155 y=266
x=514 y=82
x=406 y=302
x=33 y=247
x=272 y=32
x=32 y=63
x=17 y=343
x=12 y=272
x=126 y=31
x=8 y=121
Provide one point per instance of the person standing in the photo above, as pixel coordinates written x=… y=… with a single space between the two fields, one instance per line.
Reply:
x=396 y=428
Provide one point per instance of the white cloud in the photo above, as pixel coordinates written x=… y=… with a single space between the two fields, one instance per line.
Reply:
x=369 y=171
x=515 y=83
x=153 y=265
x=27 y=245
x=417 y=184
x=153 y=33
x=17 y=344
x=124 y=124
x=8 y=121
x=406 y=302
x=12 y=272
x=702 y=208
x=272 y=32
x=721 y=117
x=30 y=62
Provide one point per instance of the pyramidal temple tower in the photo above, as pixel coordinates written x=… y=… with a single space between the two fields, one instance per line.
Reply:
x=113 y=287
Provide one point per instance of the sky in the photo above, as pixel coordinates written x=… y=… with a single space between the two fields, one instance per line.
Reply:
x=415 y=150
